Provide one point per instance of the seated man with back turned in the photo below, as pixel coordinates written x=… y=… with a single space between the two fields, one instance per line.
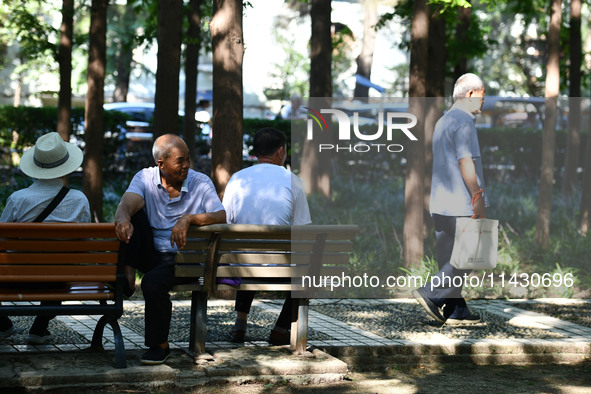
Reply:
x=266 y=193
x=47 y=199
x=167 y=198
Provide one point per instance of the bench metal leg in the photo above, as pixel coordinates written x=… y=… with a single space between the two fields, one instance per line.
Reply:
x=120 y=360
x=299 y=325
x=97 y=338
x=198 y=323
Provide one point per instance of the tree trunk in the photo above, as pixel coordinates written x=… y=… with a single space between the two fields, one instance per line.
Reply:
x=315 y=167
x=365 y=58
x=125 y=56
x=93 y=116
x=549 y=136
x=64 y=106
x=166 y=100
x=18 y=90
x=574 y=116
x=191 y=64
x=228 y=53
x=585 y=209
x=415 y=164
x=464 y=15
x=437 y=57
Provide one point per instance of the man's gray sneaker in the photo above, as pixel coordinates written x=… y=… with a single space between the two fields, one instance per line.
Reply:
x=428 y=305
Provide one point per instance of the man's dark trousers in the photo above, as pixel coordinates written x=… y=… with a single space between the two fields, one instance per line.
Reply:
x=158 y=280
x=447 y=295
x=244 y=301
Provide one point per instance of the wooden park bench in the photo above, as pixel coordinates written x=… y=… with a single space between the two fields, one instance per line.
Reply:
x=266 y=258
x=63 y=262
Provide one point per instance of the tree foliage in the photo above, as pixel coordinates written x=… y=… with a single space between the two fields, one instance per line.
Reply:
x=475 y=43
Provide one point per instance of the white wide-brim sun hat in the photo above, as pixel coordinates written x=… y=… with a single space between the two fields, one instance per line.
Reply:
x=51 y=157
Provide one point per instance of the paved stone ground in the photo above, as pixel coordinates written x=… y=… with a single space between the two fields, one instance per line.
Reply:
x=365 y=334
x=342 y=323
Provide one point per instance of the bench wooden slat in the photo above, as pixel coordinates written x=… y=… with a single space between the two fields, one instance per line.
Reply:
x=273 y=272
x=302 y=259
x=70 y=292
x=330 y=246
x=333 y=232
x=189 y=271
x=255 y=258
x=247 y=231
x=190 y=258
x=57 y=297
x=241 y=231
x=282 y=245
x=196 y=244
x=188 y=287
x=269 y=246
x=57 y=230
x=260 y=272
x=258 y=287
x=58 y=258
x=43 y=273
x=56 y=278
x=60 y=245
x=256 y=245
x=327 y=259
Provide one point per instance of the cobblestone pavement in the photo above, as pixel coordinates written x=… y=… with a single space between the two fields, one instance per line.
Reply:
x=342 y=323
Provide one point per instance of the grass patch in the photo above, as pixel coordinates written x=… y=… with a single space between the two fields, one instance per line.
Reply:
x=378 y=209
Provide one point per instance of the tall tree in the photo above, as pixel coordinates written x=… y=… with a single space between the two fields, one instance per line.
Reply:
x=320 y=49
x=585 y=208
x=415 y=163
x=93 y=115
x=64 y=106
x=462 y=28
x=191 y=62
x=228 y=53
x=124 y=43
x=315 y=167
x=166 y=98
x=437 y=57
x=365 y=58
x=574 y=92
x=548 y=145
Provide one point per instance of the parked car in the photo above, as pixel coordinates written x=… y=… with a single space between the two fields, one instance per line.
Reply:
x=526 y=112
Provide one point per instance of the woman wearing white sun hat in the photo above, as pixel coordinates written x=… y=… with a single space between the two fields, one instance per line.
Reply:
x=48 y=162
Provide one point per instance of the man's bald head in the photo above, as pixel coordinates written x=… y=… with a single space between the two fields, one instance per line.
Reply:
x=466 y=83
x=164 y=145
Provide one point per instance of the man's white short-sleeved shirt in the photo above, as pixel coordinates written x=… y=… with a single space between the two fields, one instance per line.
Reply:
x=454 y=138
x=266 y=194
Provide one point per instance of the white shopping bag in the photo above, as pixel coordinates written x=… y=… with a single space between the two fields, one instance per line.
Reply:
x=476 y=243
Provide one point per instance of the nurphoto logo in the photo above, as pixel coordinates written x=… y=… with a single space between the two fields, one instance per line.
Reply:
x=395 y=122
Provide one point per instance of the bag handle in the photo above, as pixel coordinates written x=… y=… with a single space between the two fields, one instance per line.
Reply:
x=477 y=196
x=54 y=203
